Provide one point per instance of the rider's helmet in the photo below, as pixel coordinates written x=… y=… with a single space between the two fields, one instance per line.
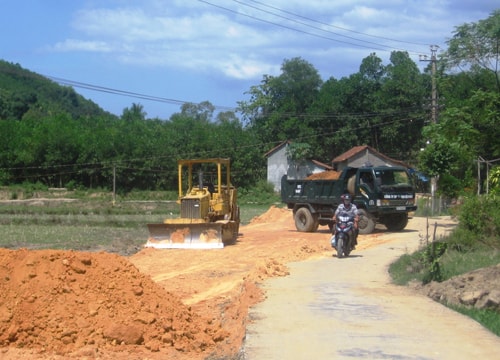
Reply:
x=346 y=200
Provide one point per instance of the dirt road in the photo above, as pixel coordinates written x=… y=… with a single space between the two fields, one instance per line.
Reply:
x=194 y=304
x=346 y=308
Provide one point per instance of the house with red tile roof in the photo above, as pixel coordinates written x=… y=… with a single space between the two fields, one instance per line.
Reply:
x=364 y=155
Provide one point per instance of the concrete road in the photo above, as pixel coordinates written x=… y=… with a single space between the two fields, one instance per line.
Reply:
x=347 y=309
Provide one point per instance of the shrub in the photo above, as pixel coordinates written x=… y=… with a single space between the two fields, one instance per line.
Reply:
x=72 y=185
x=494 y=180
x=262 y=193
x=449 y=186
x=430 y=259
x=480 y=216
x=462 y=240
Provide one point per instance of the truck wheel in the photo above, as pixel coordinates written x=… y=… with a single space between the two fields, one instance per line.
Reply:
x=396 y=222
x=304 y=220
x=366 y=224
x=316 y=222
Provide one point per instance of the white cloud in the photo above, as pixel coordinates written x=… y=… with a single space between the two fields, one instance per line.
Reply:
x=243 y=42
x=81 y=45
x=241 y=68
x=199 y=42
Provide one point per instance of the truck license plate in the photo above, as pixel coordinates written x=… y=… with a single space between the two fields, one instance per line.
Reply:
x=400 y=208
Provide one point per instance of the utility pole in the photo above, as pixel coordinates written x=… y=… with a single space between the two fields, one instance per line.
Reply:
x=434 y=107
x=114 y=185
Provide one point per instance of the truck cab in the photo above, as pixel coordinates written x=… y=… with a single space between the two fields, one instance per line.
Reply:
x=387 y=193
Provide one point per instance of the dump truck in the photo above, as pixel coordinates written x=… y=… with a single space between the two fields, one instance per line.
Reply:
x=383 y=194
x=209 y=213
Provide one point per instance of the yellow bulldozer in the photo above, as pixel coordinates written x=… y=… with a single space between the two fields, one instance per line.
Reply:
x=209 y=213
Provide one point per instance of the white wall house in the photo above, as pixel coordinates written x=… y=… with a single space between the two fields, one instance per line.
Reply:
x=278 y=164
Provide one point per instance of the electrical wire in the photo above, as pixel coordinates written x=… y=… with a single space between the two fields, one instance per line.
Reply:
x=226 y=108
x=376 y=47
x=103 y=89
x=108 y=90
x=337 y=27
x=289 y=27
x=316 y=27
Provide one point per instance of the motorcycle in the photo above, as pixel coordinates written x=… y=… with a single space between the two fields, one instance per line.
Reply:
x=343 y=238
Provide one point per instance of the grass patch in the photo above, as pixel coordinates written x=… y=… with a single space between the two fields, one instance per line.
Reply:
x=457 y=263
x=93 y=222
x=406 y=269
x=80 y=238
x=488 y=318
x=413 y=267
x=249 y=211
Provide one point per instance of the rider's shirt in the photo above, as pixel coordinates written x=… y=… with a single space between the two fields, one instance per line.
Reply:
x=352 y=211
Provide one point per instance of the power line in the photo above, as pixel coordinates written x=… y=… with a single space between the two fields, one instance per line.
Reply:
x=378 y=46
x=337 y=27
x=311 y=26
x=226 y=108
x=288 y=27
x=127 y=93
x=360 y=116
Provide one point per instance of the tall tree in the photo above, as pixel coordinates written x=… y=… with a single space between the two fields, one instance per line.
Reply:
x=403 y=95
x=477 y=44
x=135 y=112
x=372 y=106
x=277 y=107
x=468 y=126
x=203 y=111
x=338 y=114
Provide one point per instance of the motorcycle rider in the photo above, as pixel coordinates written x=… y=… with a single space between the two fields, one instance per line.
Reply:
x=352 y=210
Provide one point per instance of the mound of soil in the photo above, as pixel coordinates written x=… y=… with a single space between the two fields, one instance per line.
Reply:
x=158 y=304
x=60 y=301
x=479 y=289
x=325 y=175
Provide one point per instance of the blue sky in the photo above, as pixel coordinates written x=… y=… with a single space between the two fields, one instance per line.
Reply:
x=215 y=50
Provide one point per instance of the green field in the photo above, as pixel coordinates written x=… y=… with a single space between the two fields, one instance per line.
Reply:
x=89 y=223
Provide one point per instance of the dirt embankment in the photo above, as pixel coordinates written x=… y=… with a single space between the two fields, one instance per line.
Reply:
x=157 y=304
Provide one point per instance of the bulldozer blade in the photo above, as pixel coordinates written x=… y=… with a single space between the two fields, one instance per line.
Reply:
x=185 y=236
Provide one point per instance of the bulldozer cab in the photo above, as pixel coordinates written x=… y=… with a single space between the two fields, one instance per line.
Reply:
x=208 y=181
x=209 y=214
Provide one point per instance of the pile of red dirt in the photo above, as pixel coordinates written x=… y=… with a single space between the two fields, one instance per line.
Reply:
x=325 y=175
x=59 y=301
x=272 y=216
x=176 y=304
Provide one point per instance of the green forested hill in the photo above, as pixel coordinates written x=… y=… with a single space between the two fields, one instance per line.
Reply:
x=24 y=93
x=52 y=136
